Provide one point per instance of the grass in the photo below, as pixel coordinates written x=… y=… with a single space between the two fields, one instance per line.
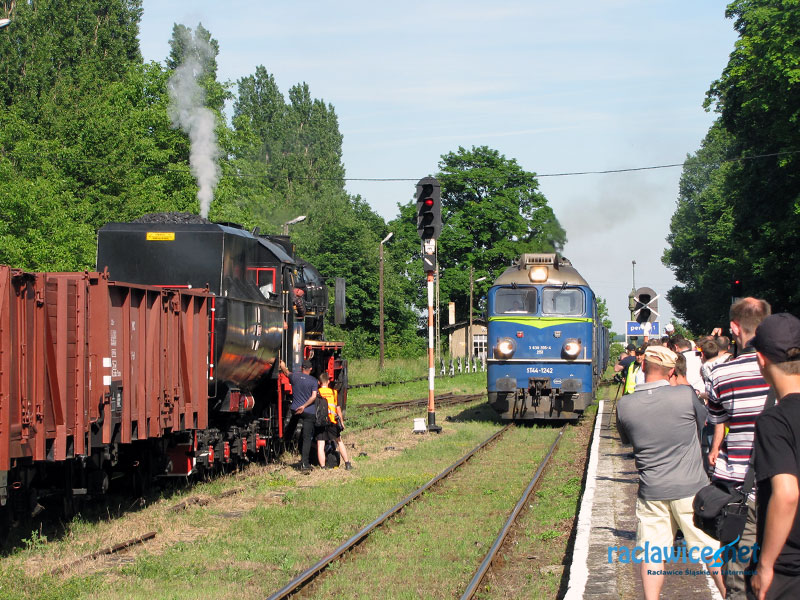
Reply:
x=287 y=522
x=278 y=541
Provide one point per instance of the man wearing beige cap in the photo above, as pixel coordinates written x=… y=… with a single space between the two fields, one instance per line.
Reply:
x=661 y=422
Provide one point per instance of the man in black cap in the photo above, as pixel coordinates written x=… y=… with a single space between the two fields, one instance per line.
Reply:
x=304 y=392
x=777 y=463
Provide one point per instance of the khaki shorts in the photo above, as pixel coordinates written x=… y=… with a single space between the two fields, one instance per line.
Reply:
x=658 y=520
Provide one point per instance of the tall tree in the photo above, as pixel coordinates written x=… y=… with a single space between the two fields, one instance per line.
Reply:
x=702 y=250
x=50 y=41
x=748 y=208
x=64 y=126
x=493 y=212
x=758 y=98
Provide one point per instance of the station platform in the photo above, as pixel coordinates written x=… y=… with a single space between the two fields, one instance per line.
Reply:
x=607 y=518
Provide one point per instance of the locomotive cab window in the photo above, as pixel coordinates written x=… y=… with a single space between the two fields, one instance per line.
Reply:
x=510 y=301
x=558 y=301
x=264 y=278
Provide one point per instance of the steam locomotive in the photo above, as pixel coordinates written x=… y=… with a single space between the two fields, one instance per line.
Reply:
x=172 y=373
x=547 y=348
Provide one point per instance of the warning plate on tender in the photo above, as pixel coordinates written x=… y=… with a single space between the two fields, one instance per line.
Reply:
x=160 y=236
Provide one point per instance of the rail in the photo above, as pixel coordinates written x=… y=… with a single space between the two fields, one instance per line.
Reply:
x=309 y=574
x=472 y=588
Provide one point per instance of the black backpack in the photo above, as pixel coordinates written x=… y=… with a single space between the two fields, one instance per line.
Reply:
x=321 y=408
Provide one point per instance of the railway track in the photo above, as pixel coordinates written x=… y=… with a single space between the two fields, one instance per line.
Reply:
x=313 y=571
x=378 y=408
x=441 y=400
x=483 y=569
x=300 y=582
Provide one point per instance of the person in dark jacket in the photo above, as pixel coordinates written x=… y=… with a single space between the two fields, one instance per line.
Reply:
x=777 y=460
x=304 y=392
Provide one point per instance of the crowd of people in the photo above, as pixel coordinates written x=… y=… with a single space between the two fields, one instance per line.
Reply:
x=694 y=410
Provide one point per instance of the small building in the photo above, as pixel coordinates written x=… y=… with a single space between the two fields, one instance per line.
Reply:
x=458 y=338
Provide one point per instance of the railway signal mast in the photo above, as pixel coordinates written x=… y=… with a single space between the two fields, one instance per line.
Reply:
x=643 y=304
x=429 y=226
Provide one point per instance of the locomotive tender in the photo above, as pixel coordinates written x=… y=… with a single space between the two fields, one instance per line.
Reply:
x=547 y=347
x=171 y=373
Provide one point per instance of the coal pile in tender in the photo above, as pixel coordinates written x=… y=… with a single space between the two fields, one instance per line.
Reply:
x=178 y=218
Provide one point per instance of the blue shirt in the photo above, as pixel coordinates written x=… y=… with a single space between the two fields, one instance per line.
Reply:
x=302 y=387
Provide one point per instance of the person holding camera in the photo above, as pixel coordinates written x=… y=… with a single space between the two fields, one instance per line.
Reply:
x=737 y=392
x=693 y=363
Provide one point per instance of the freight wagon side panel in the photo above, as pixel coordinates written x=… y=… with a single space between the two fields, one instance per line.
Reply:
x=159 y=361
x=43 y=375
x=5 y=369
x=85 y=362
x=22 y=376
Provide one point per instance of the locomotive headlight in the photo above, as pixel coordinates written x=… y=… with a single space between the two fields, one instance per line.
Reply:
x=572 y=348
x=538 y=274
x=505 y=348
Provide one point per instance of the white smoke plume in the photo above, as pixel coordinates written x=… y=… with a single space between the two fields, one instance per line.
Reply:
x=187 y=111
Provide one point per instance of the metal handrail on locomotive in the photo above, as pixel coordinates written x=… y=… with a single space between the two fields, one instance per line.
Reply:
x=173 y=372
x=547 y=347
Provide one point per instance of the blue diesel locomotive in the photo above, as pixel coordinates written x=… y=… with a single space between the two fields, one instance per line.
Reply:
x=547 y=348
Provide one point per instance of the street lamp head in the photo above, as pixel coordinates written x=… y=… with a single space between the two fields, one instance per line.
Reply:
x=386 y=239
x=296 y=220
x=480 y=279
x=4 y=22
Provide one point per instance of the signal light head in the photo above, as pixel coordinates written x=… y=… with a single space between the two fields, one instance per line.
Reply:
x=429 y=209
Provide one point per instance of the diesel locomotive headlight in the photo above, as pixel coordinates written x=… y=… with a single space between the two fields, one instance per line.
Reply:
x=572 y=348
x=538 y=274
x=505 y=348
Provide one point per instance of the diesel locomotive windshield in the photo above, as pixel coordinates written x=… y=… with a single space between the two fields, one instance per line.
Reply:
x=558 y=301
x=515 y=301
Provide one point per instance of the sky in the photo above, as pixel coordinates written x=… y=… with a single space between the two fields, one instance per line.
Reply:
x=558 y=87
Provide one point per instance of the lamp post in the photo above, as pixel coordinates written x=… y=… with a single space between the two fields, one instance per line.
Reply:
x=292 y=222
x=471 y=283
x=380 y=298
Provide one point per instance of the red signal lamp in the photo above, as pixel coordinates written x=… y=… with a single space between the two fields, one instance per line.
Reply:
x=428 y=202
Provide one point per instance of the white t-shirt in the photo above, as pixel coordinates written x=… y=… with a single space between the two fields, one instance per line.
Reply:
x=693 y=376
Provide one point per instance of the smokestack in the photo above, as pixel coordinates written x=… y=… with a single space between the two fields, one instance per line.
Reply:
x=187 y=110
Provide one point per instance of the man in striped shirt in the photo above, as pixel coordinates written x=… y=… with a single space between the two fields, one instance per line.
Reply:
x=736 y=395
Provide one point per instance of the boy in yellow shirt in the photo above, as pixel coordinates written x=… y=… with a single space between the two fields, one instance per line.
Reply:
x=334 y=426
